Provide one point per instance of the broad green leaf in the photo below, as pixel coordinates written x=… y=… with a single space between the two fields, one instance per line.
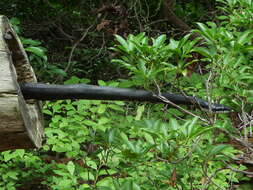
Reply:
x=204 y=51
x=140 y=111
x=124 y=136
x=159 y=40
x=105 y=183
x=173 y=44
x=91 y=164
x=190 y=127
x=218 y=149
x=116 y=107
x=60 y=172
x=248 y=48
x=89 y=123
x=245 y=37
x=66 y=183
x=87 y=175
x=149 y=138
x=103 y=120
x=129 y=144
x=8 y=155
x=59 y=72
x=101 y=83
x=20 y=152
x=122 y=41
x=48 y=112
x=130 y=185
x=206 y=32
x=37 y=51
x=101 y=108
x=111 y=135
x=71 y=167
x=30 y=42
x=174 y=124
x=12 y=174
x=250 y=99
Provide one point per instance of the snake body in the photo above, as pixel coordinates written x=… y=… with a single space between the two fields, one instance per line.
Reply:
x=42 y=91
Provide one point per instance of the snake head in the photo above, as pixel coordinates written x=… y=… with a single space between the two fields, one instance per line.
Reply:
x=219 y=108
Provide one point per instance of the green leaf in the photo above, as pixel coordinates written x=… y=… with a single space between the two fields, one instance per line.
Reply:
x=173 y=44
x=61 y=172
x=159 y=41
x=66 y=183
x=59 y=72
x=87 y=176
x=8 y=155
x=111 y=135
x=30 y=42
x=116 y=107
x=20 y=152
x=140 y=111
x=113 y=84
x=124 y=136
x=91 y=164
x=245 y=37
x=105 y=183
x=248 y=48
x=204 y=51
x=37 y=51
x=89 y=123
x=101 y=108
x=174 y=124
x=206 y=32
x=130 y=185
x=15 y=21
x=190 y=127
x=223 y=17
x=71 y=167
x=149 y=138
x=48 y=112
x=103 y=120
x=129 y=144
x=250 y=100
x=101 y=83
x=12 y=174
x=122 y=41
x=218 y=149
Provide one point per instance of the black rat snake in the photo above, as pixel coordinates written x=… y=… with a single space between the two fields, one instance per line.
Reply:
x=42 y=91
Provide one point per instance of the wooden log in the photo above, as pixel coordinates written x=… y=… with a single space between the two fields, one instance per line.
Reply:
x=21 y=122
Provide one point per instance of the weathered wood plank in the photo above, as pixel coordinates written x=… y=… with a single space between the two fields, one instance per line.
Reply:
x=7 y=85
x=21 y=122
x=5 y=73
x=10 y=116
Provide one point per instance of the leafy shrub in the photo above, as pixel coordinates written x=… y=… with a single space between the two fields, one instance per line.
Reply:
x=98 y=145
x=109 y=145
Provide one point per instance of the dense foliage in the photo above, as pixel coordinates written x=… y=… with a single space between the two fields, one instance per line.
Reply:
x=112 y=145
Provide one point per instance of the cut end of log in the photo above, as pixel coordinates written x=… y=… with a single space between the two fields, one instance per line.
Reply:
x=21 y=122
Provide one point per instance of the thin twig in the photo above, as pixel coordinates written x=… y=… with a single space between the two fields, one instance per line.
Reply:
x=208 y=91
x=71 y=38
x=238 y=171
x=100 y=50
x=194 y=146
x=156 y=22
x=161 y=97
x=209 y=178
x=73 y=49
x=75 y=45
x=242 y=142
x=137 y=17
